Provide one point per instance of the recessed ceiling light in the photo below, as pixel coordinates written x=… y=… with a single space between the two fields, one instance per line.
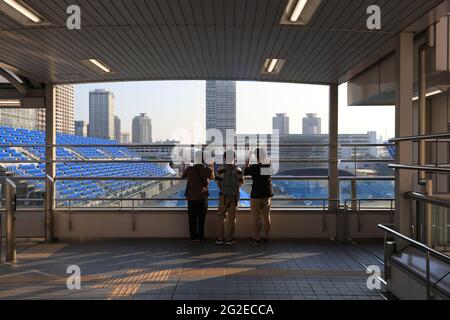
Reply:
x=10 y=103
x=273 y=66
x=298 y=9
x=299 y=12
x=100 y=65
x=24 y=10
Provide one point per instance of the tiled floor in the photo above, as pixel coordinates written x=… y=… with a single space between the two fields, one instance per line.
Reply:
x=174 y=269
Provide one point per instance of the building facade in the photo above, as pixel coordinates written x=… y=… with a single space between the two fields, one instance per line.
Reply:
x=117 y=128
x=19 y=118
x=312 y=124
x=101 y=114
x=281 y=123
x=220 y=107
x=81 y=128
x=65 y=110
x=142 y=129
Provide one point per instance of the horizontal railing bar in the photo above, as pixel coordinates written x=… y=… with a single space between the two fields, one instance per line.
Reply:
x=143 y=161
x=421 y=137
x=427 y=199
x=415 y=243
x=275 y=178
x=132 y=146
x=443 y=169
x=366 y=178
x=356 y=145
x=367 y=161
x=182 y=199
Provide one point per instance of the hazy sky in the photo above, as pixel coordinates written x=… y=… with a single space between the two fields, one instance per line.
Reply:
x=179 y=106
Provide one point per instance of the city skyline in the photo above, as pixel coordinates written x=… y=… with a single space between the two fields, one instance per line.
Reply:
x=163 y=99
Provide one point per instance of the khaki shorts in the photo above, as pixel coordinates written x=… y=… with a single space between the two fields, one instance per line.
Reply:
x=260 y=207
x=227 y=205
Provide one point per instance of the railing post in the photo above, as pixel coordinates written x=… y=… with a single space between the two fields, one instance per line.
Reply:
x=429 y=214
x=48 y=207
x=10 y=195
x=50 y=158
x=428 y=275
x=354 y=195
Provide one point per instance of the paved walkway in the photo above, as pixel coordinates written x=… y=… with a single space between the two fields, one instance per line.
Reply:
x=175 y=269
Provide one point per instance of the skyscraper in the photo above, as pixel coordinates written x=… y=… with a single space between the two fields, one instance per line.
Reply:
x=312 y=124
x=117 y=128
x=220 y=106
x=281 y=123
x=64 y=95
x=142 y=129
x=81 y=128
x=101 y=114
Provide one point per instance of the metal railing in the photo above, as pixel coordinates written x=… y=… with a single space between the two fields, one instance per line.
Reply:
x=132 y=160
x=436 y=167
x=428 y=253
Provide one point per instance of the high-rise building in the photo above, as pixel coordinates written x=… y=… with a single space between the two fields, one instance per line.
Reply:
x=101 y=114
x=81 y=128
x=65 y=106
x=117 y=128
x=142 y=129
x=281 y=123
x=312 y=124
x=220 y=106
x=19 y=118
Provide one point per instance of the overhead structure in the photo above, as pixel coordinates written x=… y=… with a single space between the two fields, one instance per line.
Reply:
x=313 y=41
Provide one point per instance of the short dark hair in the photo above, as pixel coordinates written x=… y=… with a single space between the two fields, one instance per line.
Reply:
x=260 y=153
x=229 y=154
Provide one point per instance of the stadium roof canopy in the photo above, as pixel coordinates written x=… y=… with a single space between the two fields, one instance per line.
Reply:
x=200 y=39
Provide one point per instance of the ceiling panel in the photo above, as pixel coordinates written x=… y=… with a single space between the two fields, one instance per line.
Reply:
x=199 y=39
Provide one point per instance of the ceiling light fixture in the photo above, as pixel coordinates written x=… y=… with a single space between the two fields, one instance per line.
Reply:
x=24 y=10
x=272 y=65
x=100 y=65
x=299 y=12
x=10 y=103
x=298 y=9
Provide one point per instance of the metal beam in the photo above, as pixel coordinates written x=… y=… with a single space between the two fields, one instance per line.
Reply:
x=19 y=86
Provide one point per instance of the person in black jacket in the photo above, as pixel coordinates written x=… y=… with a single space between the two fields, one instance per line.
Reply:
x=261 y=195
x=198 y=177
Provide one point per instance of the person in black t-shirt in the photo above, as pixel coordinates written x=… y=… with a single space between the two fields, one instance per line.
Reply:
x=262 y=192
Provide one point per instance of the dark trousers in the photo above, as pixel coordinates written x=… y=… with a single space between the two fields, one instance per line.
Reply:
x=197 y=213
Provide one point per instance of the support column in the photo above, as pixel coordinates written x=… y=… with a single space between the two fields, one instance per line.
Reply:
x=404 y=120
x=50 y=156
x=333 y=170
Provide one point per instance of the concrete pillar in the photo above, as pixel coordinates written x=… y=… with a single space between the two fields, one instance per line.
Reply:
x=404 y=124
x=333 y=170
x=50 y=155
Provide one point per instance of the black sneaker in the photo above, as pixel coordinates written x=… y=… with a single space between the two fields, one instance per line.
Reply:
x=256 y=242
x=219 y=242
x=265 y=240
